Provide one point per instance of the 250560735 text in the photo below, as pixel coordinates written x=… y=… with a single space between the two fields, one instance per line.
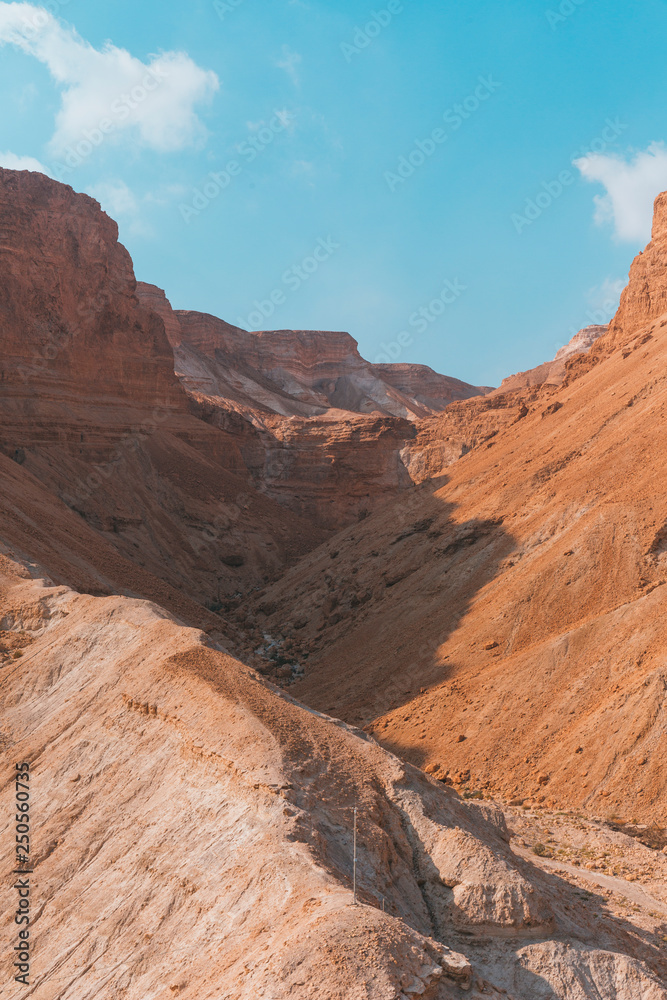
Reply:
x=22 y=873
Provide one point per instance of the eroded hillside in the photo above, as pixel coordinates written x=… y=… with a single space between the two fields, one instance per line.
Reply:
x=478 y=593
x=504 y=624
x=193 y=836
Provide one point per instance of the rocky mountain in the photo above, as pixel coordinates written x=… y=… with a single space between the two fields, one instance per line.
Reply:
x=301 y=373
x=645 y=296
x=90 y=408
x=319 y=428
x=516 y=600
x=239 y=619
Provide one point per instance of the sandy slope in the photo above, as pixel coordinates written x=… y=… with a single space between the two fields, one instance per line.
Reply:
x=192 y=836
x=511 y=622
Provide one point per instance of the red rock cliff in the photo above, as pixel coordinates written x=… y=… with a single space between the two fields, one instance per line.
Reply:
x=73 y=332
x=94 y=415
x=296 y=372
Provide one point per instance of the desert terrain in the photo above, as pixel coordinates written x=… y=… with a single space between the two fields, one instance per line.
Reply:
x=261 y=600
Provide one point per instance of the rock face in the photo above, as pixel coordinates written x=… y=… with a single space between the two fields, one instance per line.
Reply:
x=645 y=297
x=91 y=408
x=182 y=808
x=321 y=430
x=333 y=469
x=153 y=298
x=73 y=332
x=296 y=372
x=442 y=440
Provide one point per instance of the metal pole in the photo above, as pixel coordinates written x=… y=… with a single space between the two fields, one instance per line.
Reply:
x=354 y=860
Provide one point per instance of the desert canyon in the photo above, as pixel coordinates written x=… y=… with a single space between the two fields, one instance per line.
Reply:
x=251 y=583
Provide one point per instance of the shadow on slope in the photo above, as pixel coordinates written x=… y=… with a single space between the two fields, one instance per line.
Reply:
x=401 y=580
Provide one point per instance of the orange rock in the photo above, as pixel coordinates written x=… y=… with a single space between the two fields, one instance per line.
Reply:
x=585 y=632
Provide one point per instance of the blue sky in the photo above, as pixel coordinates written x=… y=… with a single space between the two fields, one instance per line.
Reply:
x=404 y=171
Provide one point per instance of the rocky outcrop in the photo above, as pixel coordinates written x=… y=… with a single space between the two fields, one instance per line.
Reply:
x=442 y=440
x=301 y=372
x=153 y=298
x=582 y=341
x=333 y=469
x=74 y=336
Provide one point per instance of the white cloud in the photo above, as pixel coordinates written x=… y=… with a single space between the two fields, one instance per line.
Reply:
x=631 y=189
x=303 y=167
x=155 y=100
x=13 y=162
x=289 y=63
x=166 y=194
